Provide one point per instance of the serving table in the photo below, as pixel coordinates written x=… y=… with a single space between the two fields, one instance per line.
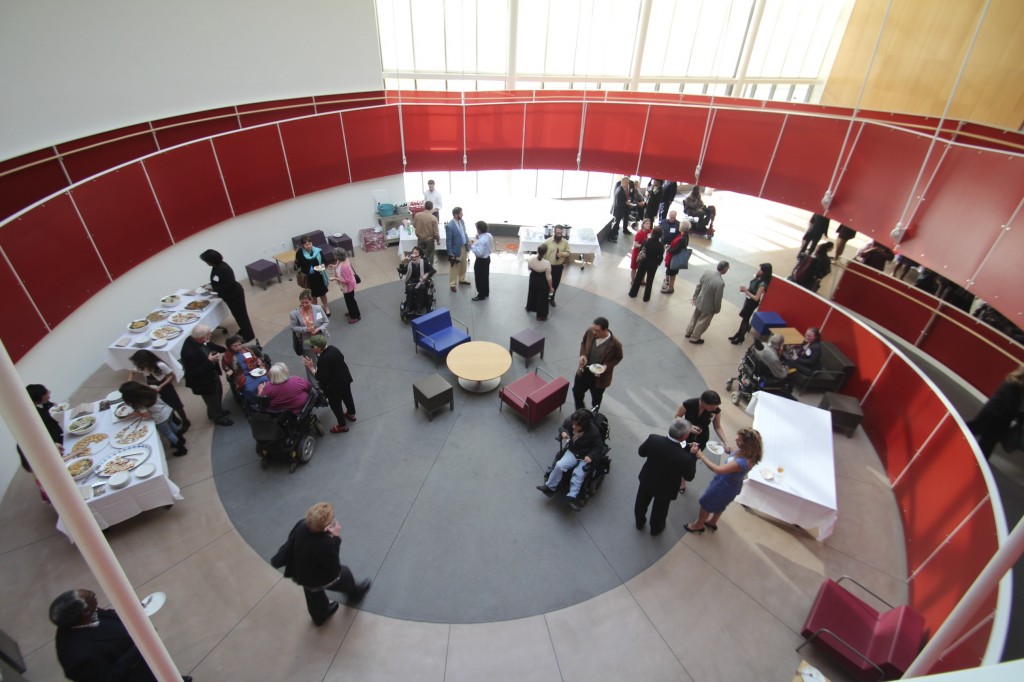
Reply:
x=119 y=357
x=798 y=439
x=582 y=242
x=407 y=239
x=109 y=506
x=479 y=365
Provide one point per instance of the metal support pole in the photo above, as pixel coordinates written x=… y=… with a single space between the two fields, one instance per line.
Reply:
x=641 y=40
x=24 y=423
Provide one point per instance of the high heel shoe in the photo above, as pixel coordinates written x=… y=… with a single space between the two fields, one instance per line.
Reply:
x=691 y=530
x=712 y=526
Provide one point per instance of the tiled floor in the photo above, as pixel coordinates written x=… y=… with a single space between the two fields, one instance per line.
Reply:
x=724 y=606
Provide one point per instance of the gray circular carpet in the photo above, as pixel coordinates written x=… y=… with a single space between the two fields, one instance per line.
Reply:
x=443 y=515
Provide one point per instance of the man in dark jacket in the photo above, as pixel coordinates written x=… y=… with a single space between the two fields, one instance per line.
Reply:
x=335 y=380
x=93 y=644
x=310 y=558
x=599 y=351
x=620 y=210
x=201 y=361
x=669 y=461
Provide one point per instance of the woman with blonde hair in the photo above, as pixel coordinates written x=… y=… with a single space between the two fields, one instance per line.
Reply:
x=728 y=480
x=284 y=391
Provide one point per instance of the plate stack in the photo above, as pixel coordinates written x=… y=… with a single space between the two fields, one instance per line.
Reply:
x=119 y=480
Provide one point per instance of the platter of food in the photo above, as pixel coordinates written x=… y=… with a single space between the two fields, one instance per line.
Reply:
x=90 y=445
x=171 y=301
x=167 y=332
x=159 y=315
x=123 y=410
x=132 y=434
x=80 y=468
x=201 y=304
x=715 y=448
x=58 y=410
x=184 y=317
x=82 y=425
x=136 y=326
x=116 y=464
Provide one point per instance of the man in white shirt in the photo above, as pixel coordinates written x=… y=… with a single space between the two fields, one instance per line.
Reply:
x=433 y=196
x=483 y=247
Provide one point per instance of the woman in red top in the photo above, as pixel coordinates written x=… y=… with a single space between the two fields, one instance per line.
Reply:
x=285 y=392
x=641 y=236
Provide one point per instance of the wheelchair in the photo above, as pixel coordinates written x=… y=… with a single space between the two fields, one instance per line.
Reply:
x=408 y=309
x=753 y=376
x=595 y=472
x=285 y=434
x=241 y=399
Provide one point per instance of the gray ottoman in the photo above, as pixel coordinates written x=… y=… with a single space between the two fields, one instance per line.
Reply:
x=432 y=393
x=262 y=271
x=527 y=343
x=845 y=410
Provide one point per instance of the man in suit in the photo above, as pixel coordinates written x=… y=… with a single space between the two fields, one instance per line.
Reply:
x=93 y=644
x=599 y=347
x=706 y=301
x=335 y=379
x=668 y=195
x=669 y=461
x=620 y=210
x=457 y=243
x=201 y=361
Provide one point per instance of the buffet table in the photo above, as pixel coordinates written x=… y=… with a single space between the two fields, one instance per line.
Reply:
x=796 y=479
x=119 y=353
x=407 y=239
x=142 y=492
x=582 y=242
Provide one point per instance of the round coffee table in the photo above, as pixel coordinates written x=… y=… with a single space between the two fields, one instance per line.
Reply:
x=479 y=365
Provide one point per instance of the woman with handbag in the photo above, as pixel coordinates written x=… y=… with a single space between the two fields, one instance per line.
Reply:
x=307 y=320
x=345 y=275
x=677 y=257
x=752 y=296
x=309 y=261
x=638 y=241
x=651 y=254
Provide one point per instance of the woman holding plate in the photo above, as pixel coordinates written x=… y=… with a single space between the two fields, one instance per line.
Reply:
x=728 y=480
x=306 y=321
x=309 y=261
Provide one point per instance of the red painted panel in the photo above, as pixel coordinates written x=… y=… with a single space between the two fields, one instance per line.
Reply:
x=672 y=143
x=612 y=137
x=502 y=96
x=260 y=113
x=892 y=304
x=373 y=142
x=899 y=414
x=494 y=136
x=867 y=351
x=965 y=354
x=188 y=185
x=121 y=214
x=15 y=305
x=879 y=177
x=552 y=136
x=989 y=137
x=944 y=580
x=809 y=148
x=740 y=149
x=181 y=129
x=970 y=652
x=88 y=156
x=932 y=503
x=22 y=184
x=252 y=163
x=315 y=150
x=433 y=137
x=341 y=102
x=56 y=296
x=797 y=306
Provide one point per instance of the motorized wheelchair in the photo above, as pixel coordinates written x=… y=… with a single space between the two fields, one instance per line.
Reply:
x=595 y=472
x=241 y=399
x=285 y=434
x=409 y=309
x=753 y=376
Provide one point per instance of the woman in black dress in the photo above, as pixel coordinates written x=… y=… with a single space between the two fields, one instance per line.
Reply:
x=309 y=260
x=752 y=295
x=224 y=284
x=540 y=287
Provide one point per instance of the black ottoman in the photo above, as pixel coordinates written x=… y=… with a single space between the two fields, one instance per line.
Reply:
x=846 y=412
x=432 y=393
x=527 y=343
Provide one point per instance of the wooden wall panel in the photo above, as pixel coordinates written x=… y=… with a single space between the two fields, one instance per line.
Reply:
x=252 y=164
x=188 y=185
x=38 y=176
x=799 y=178
x=260 y=113
x=189 y=127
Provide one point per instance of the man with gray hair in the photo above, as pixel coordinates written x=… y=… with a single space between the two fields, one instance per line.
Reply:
x=771 y=356
x=707 y=301
x=669 y=461
x=201 y=361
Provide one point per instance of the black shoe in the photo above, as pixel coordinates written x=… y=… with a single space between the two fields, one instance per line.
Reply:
x=360 y=594
x=186 y=678
x=574 y=504
x=697 y=341
x=613 y=239
x=552 y=302
x=640 y=523
x=546 y=490
x=478 y=298
x=185 y=426
x=734 y=341
x=332 y=608
x=223 y=421
x=656 y=533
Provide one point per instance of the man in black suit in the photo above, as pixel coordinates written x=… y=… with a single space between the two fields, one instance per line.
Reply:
x=669 y=460
x=93 y=644
x=335 y=379
x=620 y=210
x=201 y=361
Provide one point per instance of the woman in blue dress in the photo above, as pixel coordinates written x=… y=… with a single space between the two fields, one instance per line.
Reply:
x=728 y=480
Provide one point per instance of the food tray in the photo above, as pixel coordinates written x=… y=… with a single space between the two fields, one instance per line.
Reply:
x=167 y=332
x=84 y=466
x=90 y=445
x=133 y=434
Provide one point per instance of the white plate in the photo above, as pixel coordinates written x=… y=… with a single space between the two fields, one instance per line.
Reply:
x=58 y=410
x=159 y=343
x=86 y=491
x=165 y=332
x=119 y=480
x=153 y=602
x=99 y=470
x=123 y=443
x=145 y=471
x=140 y=453
x=258 y=372
x=596 y=369
x=95 y=444
x=114 y=396
x=136 y=326
x=170 y=301
x=767 y=473
x=183 y=317
x=715 y=448
x=123 y=410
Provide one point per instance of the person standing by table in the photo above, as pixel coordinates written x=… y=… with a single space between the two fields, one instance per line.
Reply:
x=424 y=224
x=728 y=480
x=558 y=254
x=483 y=247
x=159 y=376
x=752 y=295
x=541 y=284
x=706 y=301
x=40 y=396
x=668 y=461
x=310 y=558
x=345 y=276
x=620 y=210
x=434 y=197
x=146 y=404
x=307 y=259
x=599 y=347
x=224 y=284
x=335 y=380
x=456 y=241
x=201 y=361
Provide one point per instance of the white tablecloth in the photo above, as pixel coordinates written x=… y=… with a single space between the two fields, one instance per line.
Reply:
x=407 y=239
x=582 y=240
x=798 y=438
x=118 y=357
x=115 y=506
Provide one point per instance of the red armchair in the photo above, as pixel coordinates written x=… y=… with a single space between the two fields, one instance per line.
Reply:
x=533 y=397
x=869 y=644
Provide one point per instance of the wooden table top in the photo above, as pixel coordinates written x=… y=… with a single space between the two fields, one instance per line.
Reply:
x=790 y=335
x=479 y=361
x=285 y=257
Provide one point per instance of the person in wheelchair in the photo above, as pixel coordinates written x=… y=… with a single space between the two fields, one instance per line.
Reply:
x=581 y=440
x=285 y=392
x=238 y=362
x=416 y=274
x=772 y=357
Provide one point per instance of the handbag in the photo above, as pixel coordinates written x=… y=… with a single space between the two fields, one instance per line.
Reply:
x=302 y=279
x=359 y=280
x=681 y=260
x=297 y=343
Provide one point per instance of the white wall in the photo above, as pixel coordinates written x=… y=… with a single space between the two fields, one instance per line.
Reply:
x=73 y=68
x=69 y=354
